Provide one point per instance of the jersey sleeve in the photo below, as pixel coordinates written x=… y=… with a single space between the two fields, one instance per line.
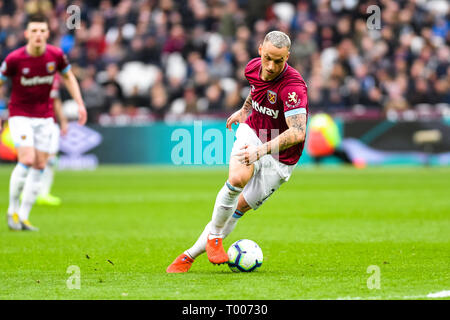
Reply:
x=63 y=62
x=8 y=68
x=295 y=99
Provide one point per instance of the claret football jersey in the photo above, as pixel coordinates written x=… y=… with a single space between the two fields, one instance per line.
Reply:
x=272 y=102
x=32 y=79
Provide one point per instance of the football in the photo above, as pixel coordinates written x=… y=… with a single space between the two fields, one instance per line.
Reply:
x=244 y=256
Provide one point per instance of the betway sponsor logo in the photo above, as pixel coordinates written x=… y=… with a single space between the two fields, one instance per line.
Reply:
x=36 y=80
x=264 y=110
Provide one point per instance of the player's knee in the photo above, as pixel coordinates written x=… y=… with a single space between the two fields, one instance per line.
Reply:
x=27 y=160
x=39 y=166
x=237 y=181
x=239 y=175
x=40 y=163
x=26 y=156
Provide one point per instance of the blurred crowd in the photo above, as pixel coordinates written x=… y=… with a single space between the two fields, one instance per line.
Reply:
x=168 y=58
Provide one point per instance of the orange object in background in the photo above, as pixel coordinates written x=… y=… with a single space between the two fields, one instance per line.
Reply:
x=323 y=136
x=7 y=150
x=317 y=145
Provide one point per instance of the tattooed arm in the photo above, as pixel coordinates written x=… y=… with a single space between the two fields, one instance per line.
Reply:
x=292 y=136
x=242 y=114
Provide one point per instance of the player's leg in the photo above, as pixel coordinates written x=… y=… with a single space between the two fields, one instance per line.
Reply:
x=45 y=197
x=199 y=246
x=31 y=189
x=184 y=261
x=22 y=136
x=227 y=198
x=25 y=157
x=242 y=208
x=265 y=181
x=224 y=207
x=42 y=129
x=227 y=201
x=48 y=176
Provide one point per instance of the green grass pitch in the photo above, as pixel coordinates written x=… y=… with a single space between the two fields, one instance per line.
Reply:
x=320 y=233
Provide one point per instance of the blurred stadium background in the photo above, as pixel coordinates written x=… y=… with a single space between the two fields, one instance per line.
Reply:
x=149 y=67
x=158 y=76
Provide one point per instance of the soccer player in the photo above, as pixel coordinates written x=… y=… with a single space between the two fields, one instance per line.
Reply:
x=60 y=127
x=32 y=69
x=269 y=143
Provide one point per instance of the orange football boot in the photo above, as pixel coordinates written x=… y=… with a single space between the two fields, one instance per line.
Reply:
x=181 y=264
x=214 y=250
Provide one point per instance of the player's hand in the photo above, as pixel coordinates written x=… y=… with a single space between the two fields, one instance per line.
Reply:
x=0 y=124
x=248 y=154
x=235 y=118
x=64 y=127
x=82 y=115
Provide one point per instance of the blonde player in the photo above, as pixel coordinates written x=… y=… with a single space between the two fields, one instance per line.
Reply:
x=269 y=143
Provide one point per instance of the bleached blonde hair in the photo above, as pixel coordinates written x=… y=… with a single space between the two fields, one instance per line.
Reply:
x=278 y=39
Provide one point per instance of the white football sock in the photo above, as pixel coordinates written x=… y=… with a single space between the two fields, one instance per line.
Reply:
x=16 y=183
x=30 y=192
x=226 y=203
x=199 y=247
x=231 y=223
x=47 y=177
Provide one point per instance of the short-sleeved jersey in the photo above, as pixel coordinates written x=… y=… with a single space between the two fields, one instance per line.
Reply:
x=32 y=79
x=272 y=102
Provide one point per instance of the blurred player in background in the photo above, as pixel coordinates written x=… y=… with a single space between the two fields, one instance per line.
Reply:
x=269 y=143
x=59 y=128
x=32 y=69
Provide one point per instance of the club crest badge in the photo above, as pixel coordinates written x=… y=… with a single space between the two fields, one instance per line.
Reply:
x=51 y=67
x=271 y=96
x=26 y=70
x=292 y=96
x=292 y=100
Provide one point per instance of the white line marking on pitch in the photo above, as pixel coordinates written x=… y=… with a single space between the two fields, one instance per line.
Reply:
x=440 y=294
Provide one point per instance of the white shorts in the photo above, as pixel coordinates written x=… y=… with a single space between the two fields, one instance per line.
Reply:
x=268 y=175
x=31 y=132
x=54 y=140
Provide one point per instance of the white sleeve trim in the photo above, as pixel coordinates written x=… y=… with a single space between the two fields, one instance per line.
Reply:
x=293 y=112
